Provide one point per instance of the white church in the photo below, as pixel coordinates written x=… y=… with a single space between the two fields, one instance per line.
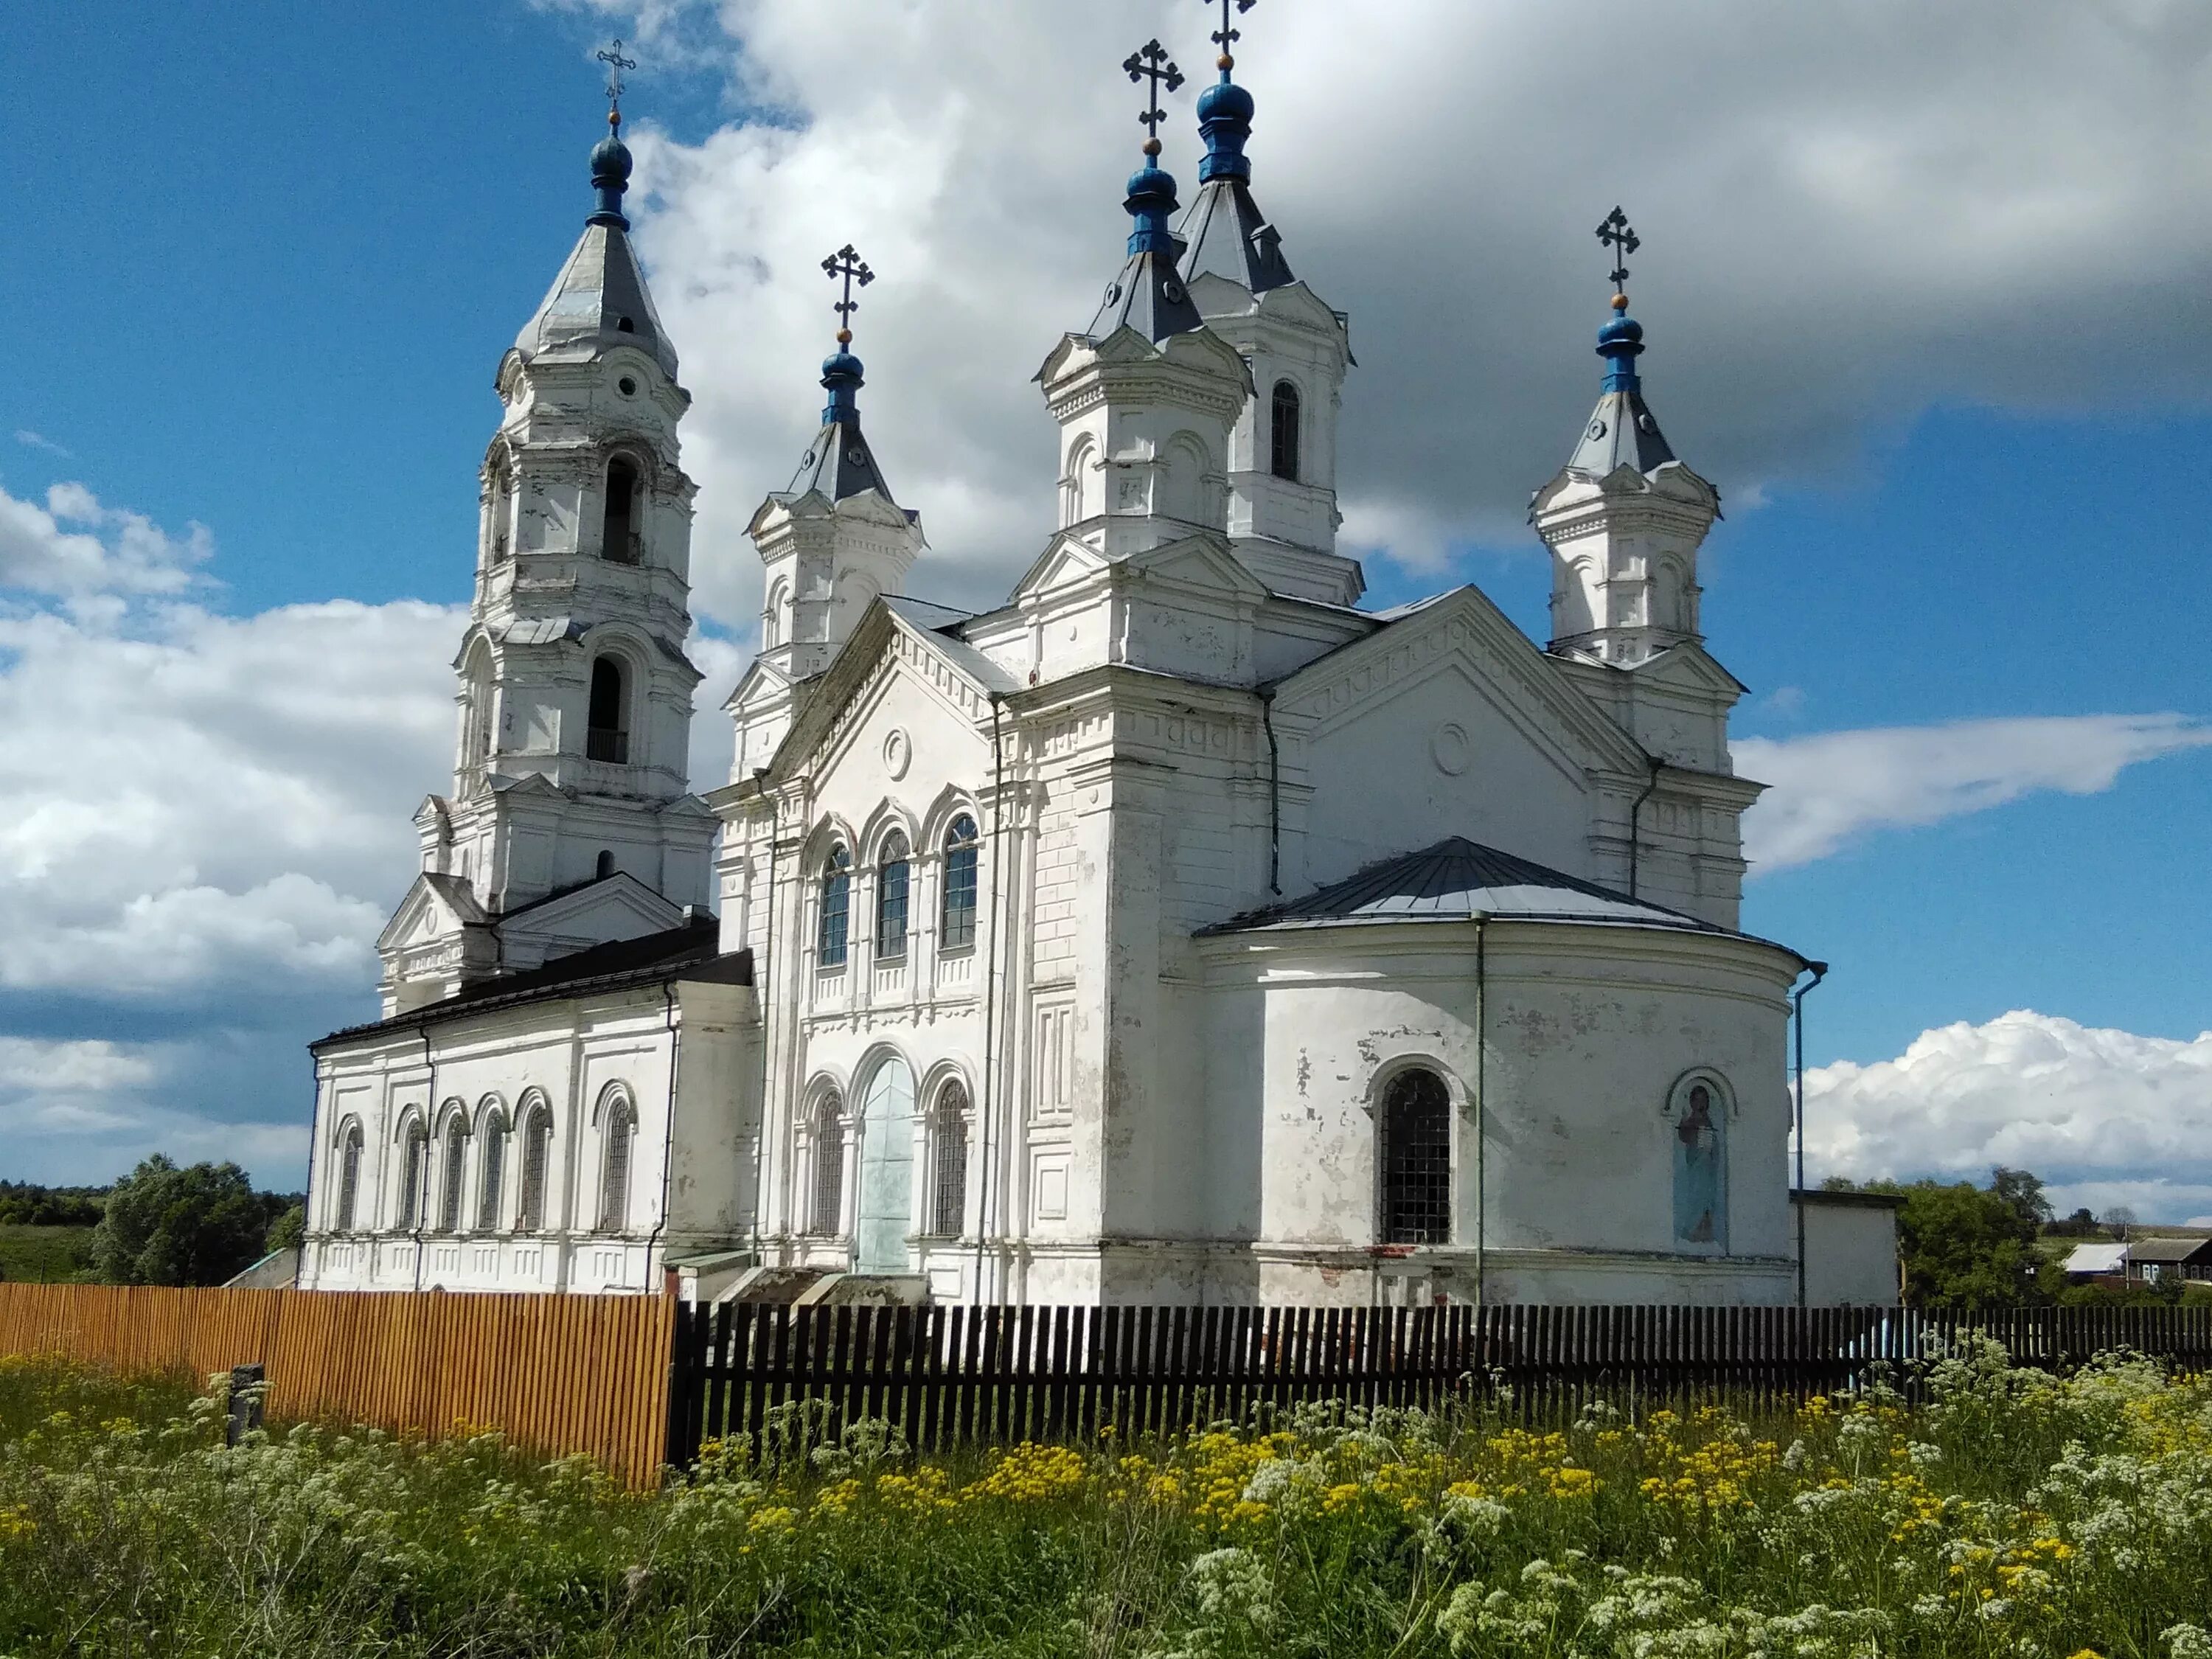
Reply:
x=1177 y=931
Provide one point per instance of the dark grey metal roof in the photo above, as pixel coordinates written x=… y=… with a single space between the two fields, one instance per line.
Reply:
x=2170 y=1250
x=1148 y=296
x=1455 y=880
x=1227 y=236
x=599 y=300
x=839 y=462
x=1622 y=432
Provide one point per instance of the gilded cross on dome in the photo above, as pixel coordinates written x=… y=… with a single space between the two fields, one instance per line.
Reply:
x=616 y=62
x=1151 y=62
x=1228 y=35
x=848 y=264
x=1615 y=235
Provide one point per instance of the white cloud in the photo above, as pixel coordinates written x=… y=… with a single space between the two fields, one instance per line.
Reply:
x=1833 y=788
x=2106 y=1116
x=75 y=546
x=1845 y=219
x=31 y=439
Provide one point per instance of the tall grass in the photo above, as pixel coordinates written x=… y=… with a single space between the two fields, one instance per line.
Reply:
x=2015 y=1514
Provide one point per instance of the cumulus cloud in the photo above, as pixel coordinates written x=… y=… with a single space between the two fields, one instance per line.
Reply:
x=1832 y=788
x=1845 y=219
x=2106 y=1116
x=75 y=546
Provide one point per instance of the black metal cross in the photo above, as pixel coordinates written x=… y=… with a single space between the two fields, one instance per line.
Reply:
x=1150 y=61
x=1615 y=235
x=615 y=64
x=1228 y=37
x=846 y=263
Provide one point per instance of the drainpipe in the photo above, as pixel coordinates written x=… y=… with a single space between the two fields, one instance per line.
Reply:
x=1635 y=816
x=985 y=1112
x=668 y=1139
x=1820 y=971
x=1481 y=1102
x=1274 y=793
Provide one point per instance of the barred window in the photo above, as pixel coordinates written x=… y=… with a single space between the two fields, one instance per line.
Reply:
x=349 y=1178
x=957 y=931
x=457 y=1152
x=494 y=1169
x=892 y=878
x=829 y=1168
x=614 y=1177
x=1282 y=457
x=948 y=1206
x=836 y=908
x=536 y=1155
x=1417 y=1159
x=413 y=1171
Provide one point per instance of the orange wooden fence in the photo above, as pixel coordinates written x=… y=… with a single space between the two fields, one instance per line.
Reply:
x=558 y=1374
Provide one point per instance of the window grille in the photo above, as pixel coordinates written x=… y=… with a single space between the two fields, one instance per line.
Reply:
x=836 y=909
x=891 y=882
x=948 y=1207
x=494 y=1168
x=1283 y=449
x=958 y=929
x=449 y=1206
x=614 y=1194
x=1417 y=1160
x=536 y=1153
x=348 y=1178
x=606 y=716
x=829 y=1169
x=411 y=1176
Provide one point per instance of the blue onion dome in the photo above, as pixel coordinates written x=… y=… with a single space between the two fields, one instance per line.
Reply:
x=1151 y=189
x=1224 y=100
x=1623 y=329
x=840 y=365
x=610 y=163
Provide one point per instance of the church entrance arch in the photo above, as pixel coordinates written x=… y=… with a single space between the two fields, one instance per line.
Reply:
x=886 y=1195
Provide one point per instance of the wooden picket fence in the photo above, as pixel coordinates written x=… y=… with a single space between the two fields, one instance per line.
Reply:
x=557 y=1374
x=946 y=1375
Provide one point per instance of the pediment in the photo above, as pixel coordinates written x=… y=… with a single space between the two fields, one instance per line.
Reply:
x=1199 y=560
x=434 y=907
x=1295 y=302
x=1689 y=664
x=1066 y=557
x=615 y=907
x=1460 y=631
x=762 y=679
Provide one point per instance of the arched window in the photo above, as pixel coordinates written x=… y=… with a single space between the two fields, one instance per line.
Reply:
x=494 y=1134
x=606 y=719
x=1698 y=1109
x=779 y=597
x=957 y=928
x=536 y=1160
x=476 y=706
x=498 y=504
x=836 y=909
x=1283 y=431
x=1417 y=1159
x=827 y=1211
x=457 y=1152
x=619 y=537
x=413 y=1172
x=948 y=1191
x=349 y=1178
x=891 y=878
x=614 y=1174
x=604 y=865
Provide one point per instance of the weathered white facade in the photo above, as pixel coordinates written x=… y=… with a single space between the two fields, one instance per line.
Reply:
x=1175 y=932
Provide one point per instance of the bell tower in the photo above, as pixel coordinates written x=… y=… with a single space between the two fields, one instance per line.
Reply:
x=570 y=767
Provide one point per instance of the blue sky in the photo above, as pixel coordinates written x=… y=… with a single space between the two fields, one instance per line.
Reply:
x=262 y=275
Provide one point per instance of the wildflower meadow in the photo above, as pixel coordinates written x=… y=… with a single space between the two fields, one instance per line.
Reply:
x=2006 y=1512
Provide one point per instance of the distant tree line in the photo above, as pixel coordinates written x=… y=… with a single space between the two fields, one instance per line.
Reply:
x=1963 y=1246
x=166 y=1224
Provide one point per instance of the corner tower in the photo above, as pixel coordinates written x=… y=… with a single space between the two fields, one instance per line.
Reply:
x=1146 y=395
x=1623 y=517
x=1282 y=514
x=570 y=821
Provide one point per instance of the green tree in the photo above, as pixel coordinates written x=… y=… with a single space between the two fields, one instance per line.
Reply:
x=1966 y=1247
x=289 y=1231
x=2022 y=1193
x=167 y=1226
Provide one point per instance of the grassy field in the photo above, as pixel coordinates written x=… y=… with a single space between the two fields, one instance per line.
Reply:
x=38 y=1254
x=2014 y=1515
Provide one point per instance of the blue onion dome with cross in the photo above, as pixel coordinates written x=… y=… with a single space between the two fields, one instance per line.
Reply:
x=1622 y=431
x=1224 y=232
x=599 y=300
x=839 y=462
x=1149 y=295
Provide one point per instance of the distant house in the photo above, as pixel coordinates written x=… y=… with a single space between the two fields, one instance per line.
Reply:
x=2151 y=1259
x=2087 y=1262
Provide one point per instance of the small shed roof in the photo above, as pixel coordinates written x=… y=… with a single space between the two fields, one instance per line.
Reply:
x=2192 y=1252
x=2097 y=1258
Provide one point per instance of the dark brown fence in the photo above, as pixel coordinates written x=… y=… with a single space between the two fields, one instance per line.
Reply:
x=942 y=1376
x=557 y=1374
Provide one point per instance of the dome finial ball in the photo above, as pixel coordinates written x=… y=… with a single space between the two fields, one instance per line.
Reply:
x=1621 y=302
x=1151 y=147
x=1225 y=63
x=844 y=337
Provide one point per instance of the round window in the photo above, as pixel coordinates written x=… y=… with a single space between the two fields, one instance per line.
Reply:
x=1171 y=291
x=627 y=387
